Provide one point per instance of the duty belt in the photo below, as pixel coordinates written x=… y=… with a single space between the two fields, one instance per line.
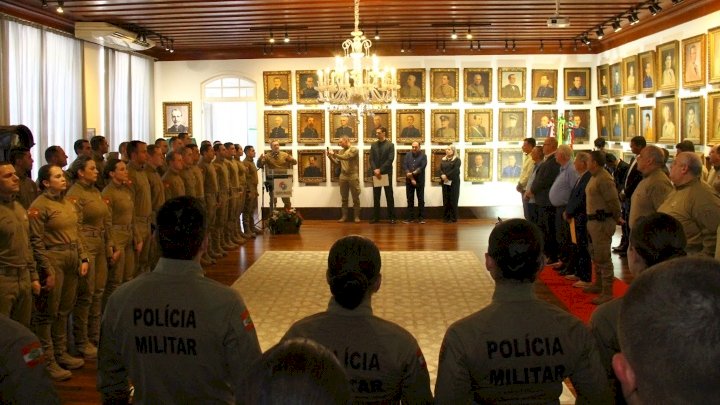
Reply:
x=601 y=216
x=94 y=233
x=122 y=227
x=10 y=271
x=62 y=247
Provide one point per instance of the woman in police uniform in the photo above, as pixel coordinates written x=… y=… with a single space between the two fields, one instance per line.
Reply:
x=55 y=239
x=95 y=226
x=383 y=361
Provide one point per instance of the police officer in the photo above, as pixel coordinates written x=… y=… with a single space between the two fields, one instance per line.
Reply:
x=192 y=188
x=140 y=186
x=383 y=361
x=17 y=266
x=157 y=193
x=121 y=204
x=242 y=192
x=173 y=180
x=95 y=228
x=224 y=193
x=277 y=159
x=237 y=195
x=530 y=347
x=55 y=239
x=349 y=161
x=23 y=162
x=163 y=333
x=210 y=186
x=99 y=147
x=251 y=199
x=603 y=209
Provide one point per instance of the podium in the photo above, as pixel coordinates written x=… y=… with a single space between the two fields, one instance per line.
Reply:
x=279 y=184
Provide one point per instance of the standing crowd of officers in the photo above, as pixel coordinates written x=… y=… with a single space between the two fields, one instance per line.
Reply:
x=71 y=238
x=578 y=203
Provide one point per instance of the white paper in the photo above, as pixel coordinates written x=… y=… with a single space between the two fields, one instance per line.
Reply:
x=383 y=181
x=447 y=182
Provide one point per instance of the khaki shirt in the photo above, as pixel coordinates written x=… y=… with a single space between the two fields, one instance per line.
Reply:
x=210 y=180
x=697 y=207
x=601 y=194
x=280 y=160
x=527 y=168
x=349 y=163
x=28 y=190
x=15 y=250
x=232 y=174
x=189 y=181
x=199 y=180
x=157 y=189
x=174 y=185
x=100 y=164
x=161 y=332
x=54 y=221
x=140 y=186
x=121 y=204
x=222 y=176
x=714 y=180
x=518 y=349
x=252 y=176
x=242 y=173
x=650 y=193
x=383 y=361
x=93 y=212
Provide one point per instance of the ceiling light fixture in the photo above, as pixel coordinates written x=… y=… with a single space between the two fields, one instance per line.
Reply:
x=574 y=45
x=600 y=32
x=616 y=25
x=560 y=44
x=676 y=2
x=469 y=34
x=443 y=46
x=454 y=34
x=60 y=6
x=272 y=38
x=402 y=47
x=357 y=85
x=287 y=38
x=44 y=3
x=542 y=46
x=585 y=40
x=471 y=46
x=172 y=45
x=513 y=48
x=633 y=17
x=478 y=45
x=506 y=45
x=654 y=8
x=377 y=34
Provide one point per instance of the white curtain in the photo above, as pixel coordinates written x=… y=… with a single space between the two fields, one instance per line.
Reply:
x=117 y=105
x=141 y=96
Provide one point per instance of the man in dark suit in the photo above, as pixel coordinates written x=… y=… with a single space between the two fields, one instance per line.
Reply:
x=309 y=91
x=410 y=131
x=546 y=90
x=177 y=126
x=511 y=90
x=312 y=170
x=277 y=92
x=310 y=132
x=578 y=130
x=540 y=189
x=579 y=267
x=577 y=89
x=630 y=183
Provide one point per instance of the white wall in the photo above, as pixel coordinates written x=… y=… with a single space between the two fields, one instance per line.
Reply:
x=181 y=81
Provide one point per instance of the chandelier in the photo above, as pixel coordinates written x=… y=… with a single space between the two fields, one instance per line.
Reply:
x=357 y=81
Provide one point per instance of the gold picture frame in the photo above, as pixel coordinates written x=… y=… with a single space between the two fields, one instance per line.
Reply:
x=444 y=84
x=479 y=125
x=311 y=166
x=577 y=84
x=579 y=121
x=307 y=82
x=616 y=123
x=512 y=131
x=693 y=117
x=509 y=165
x=410 y=125
x=544 y=85
x=367 y=173
x=646 y=63
x=399 y=159
x=713 y=53
x=436 y=156
x=647 y=123
x=277 y=86
x=478 y=92
x=631 y=122
x=311 y=126
x=667 y=66
x=602 y=118
x=666 y=118
x=630 y=77
x=278 y=126
x=603 y=82
x=381 y=117
x=616 y=80
x=342 y=124
x=412 y=89
x=479 y=170
x=540 y=120
x=510 y=88
x=177 y=118
x=694 y=61
x=713 y=118
x=444 y=126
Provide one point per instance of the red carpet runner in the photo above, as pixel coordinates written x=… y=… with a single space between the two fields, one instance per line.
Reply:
x=575 y=300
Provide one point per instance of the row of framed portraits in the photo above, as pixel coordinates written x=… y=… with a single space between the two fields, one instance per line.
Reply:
x=671 y=120
x=477 y=166
x=410 y=125
x=445 y=85
x=690 y=62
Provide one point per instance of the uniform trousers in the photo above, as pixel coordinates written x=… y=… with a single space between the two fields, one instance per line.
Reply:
x=15 y=294
x=601 y=233
x=211 y=203
x=388 y=198
x=221 y=219
x=54 y=306
x=238 y=208
x=142 y=259
x=88 y=308
x=410 y=192
x=122 y=270
x=350 y=186
x=249 y=209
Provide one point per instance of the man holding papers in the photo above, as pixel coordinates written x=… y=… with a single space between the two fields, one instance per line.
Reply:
x=382 y=154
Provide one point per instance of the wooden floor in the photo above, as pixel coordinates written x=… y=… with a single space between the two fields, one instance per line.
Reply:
x=469 y=235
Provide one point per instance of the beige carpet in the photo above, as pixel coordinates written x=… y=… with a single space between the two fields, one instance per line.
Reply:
x=424 y=292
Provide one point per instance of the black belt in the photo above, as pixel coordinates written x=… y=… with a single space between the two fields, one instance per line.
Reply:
x=600 y=217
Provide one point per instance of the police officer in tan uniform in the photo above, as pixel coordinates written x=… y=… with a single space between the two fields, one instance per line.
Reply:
x=99 y=147
x=518 y=349
x=55 y=239
x=251 y=201
x=95 y=234
x=162 y=332
x=140 y=186
x=349 y=161
x=655 y=186
x=242 y=181
x=199 y=177
x=210 y=185
x=224 y=193
x=234 y=202
x=157 y=194
x=18 y=277
x=192 y=188
x=23 y=162
x=603 y=209
x=277 y=160
x=121 y=204
x=383 y=361
x=172 y=180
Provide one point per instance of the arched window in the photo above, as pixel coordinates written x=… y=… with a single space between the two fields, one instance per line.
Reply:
x=230 y=110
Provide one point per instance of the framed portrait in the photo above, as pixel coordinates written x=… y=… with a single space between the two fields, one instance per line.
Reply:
x=342 y=124
x=478 y=165
x=509 y=164
x=311 y=126
x=311 y=166
x=646 y=63
x=367 y=173
x=479 y=125
x=667 y=65
x=278 y=126
x=666 y=119
x=691 y=124
x=410 y=125
x=713 y=118
x=478 y=85
x=444 y=126
x=541 y=120
x=602 y=115
x=444 y=85
x=436 y=156
x=277 y=85
x=412 y=85
x=512 y=124
x=647 y=123
x=379 y=118
x=89 y=133
x=577 y=84
x=603 y=74
x=617 y=152
x=544 y=85
x=713 y=53
x=177 y=117
x=334 y=171
x=630 y=82
x=616 y=129
x=307 y=82
x=630 y=119
x=399 y=159
x=511 y=83
x=616 y=82
x=694 y=60
x=579 y=122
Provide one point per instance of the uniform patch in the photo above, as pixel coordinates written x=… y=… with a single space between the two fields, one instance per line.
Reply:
x=106 y=200
x=166 y=184
x=72 y=199
x=247 y=321
x=421 y=358
x=32 y=354
x=33 y=213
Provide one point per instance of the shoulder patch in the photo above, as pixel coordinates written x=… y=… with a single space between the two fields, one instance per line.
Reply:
x=72 y=199
x=106 y=200
x=166 y=184
x=247 y=321
x=33 y=213
x=32 y=354
x=129 y=182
